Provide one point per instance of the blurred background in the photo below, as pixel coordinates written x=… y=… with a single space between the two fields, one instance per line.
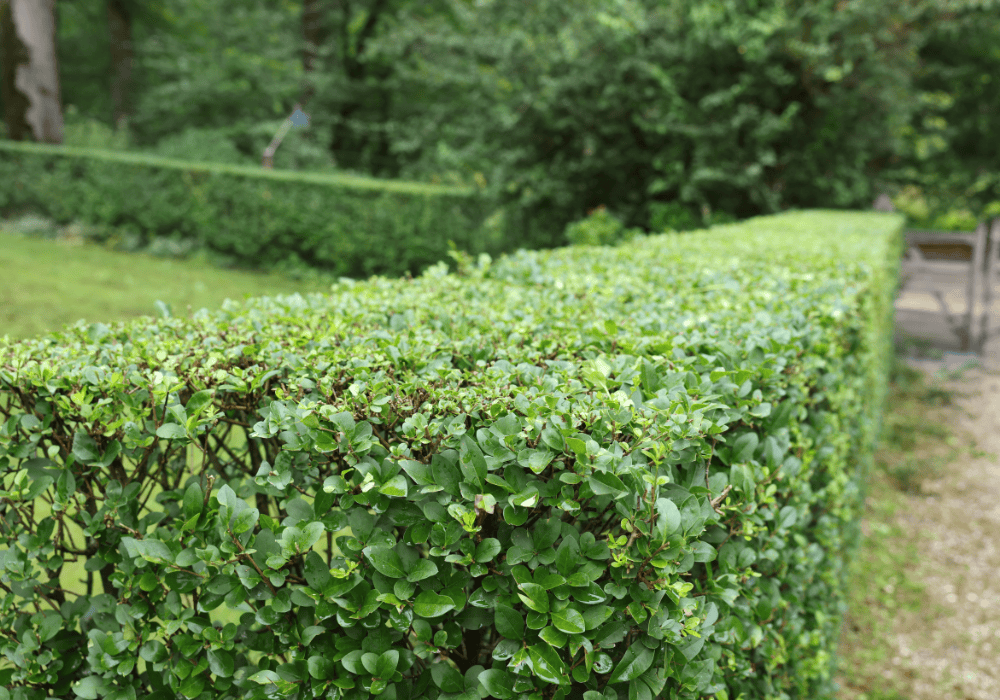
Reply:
x=669 y=114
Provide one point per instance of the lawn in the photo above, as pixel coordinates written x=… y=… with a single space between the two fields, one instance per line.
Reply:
x=52 y=281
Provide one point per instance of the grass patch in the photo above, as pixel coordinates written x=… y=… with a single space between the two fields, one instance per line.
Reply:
x=54 y=276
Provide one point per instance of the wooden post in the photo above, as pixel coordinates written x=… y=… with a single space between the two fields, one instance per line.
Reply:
x=975 y=285
x=989 y=282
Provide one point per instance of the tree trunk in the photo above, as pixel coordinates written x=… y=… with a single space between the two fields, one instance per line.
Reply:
x=312 y=35
x=120 y=28
x=30 y=70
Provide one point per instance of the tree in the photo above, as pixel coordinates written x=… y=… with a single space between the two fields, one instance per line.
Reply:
x=30 y=70
x=739 y=106
x=122 y=54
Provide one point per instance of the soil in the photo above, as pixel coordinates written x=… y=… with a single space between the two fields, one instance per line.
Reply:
x=946 y=646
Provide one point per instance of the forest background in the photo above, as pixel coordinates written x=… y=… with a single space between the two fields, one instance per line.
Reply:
x=669 y=114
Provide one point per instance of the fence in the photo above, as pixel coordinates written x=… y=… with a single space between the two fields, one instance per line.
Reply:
x=931 y=254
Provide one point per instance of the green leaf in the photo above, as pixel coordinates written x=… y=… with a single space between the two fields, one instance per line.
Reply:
x=509 y=622
x=245 y=520
x=396 y=486
x=91 y=687
x=472 y=462
x=668 y=517
x=447 y=678
x=535 y=597
x=744 y=447
x=424 y=568
x=385 y=561
x=741 y=477
x=578 y=446
x=421 y=473
x=370 y=662
x=606 y=484
x=637 y=659
x=546 y=664
x=446 y=474
x=569 y=620
x=487 y=550
x=386 y=664
x=85 y=448
x=527 y=498
x=320 y=667
x=499 y=684
x=352 y=662
x=538 y=460
x=221 y=662
x=171 y=431
x=429 y=604
x=553 y=637
x=197 y=403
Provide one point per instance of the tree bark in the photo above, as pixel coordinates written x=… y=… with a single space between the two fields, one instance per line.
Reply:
x=122 y=56
x=313 y=35
x=30 y=71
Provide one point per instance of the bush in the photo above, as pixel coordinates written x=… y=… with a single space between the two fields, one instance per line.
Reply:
x=249 y=217
x=601 y=227
x=201 y=146
x=586 y=474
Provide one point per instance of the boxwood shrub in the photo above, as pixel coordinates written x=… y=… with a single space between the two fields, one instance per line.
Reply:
x=343 y=225
x=590 y=473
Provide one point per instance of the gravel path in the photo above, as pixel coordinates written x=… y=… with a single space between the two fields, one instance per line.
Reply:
x=951 y=648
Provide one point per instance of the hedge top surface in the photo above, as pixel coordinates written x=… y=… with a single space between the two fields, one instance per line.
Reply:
x=598 y=471
x=335 y=179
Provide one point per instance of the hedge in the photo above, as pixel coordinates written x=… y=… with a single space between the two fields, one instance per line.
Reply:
x=261 y=219
x=588 y=473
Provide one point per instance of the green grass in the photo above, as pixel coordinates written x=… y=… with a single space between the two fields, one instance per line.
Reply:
x=52 y=281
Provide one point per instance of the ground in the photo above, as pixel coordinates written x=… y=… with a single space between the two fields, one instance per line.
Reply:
x=925 y=617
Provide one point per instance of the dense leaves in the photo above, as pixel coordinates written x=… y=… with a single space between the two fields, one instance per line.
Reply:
x=655 y=550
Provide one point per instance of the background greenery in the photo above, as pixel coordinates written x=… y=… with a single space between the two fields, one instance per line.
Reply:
x=668 y=114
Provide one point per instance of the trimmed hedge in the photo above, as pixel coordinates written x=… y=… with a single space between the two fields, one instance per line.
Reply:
x=584 y=473
x=263 y=219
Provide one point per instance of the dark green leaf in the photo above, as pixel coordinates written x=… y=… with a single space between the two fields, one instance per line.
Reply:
x=385 y=561
x=487 y=550
x=546 y=664
x=606 y=484
x=509 y=622
x=534 y=596
x=424 y=568
x=386 y=664
x=569 y=620
x=221 y=662
x=320 y=667
x=637 y=659
x=499 y=684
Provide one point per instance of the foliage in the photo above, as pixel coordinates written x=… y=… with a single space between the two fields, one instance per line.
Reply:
x=635 y=103
x=601 y=227
x=260 y=219
x=87 y=132
x=656 y=501
x=201 y=145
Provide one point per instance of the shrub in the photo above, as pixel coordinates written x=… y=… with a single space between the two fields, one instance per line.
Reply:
x=601 y=227
x=587 y=473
